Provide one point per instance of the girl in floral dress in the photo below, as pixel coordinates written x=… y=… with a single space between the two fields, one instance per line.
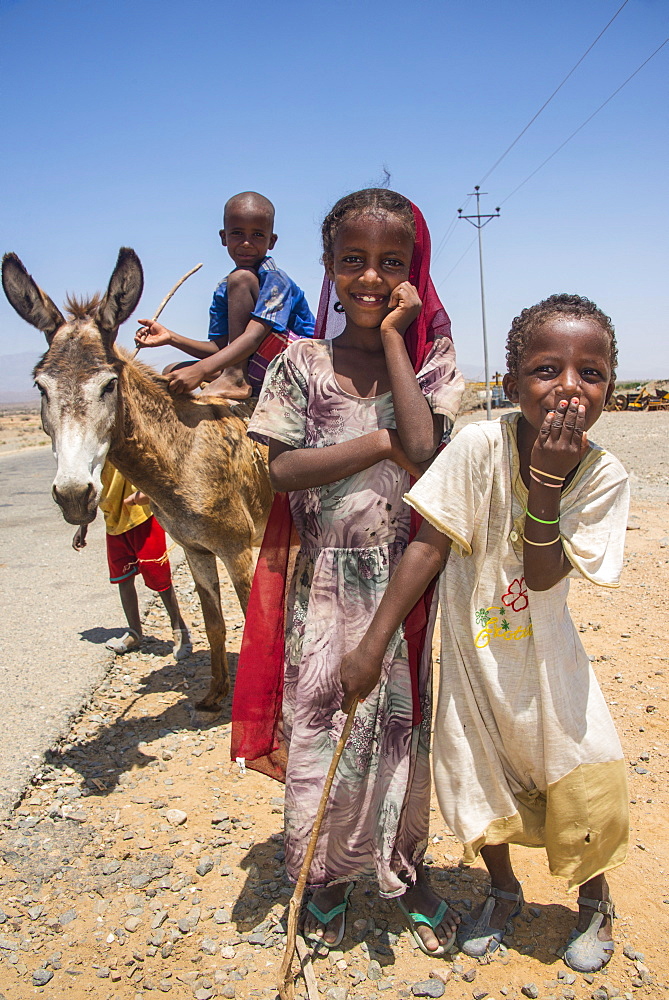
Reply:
x=525 y=749
x=349 y=418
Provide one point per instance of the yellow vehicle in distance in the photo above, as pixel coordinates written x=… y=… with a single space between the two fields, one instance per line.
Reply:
x=652 y=396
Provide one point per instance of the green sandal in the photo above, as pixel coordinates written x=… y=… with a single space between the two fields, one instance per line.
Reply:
x=325 y=918
x=416 y=919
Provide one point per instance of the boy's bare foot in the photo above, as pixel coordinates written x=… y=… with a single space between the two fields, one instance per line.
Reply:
x=421 y=898
x=231 y=384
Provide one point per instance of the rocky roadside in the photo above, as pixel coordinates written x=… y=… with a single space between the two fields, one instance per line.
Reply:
x=140 y=861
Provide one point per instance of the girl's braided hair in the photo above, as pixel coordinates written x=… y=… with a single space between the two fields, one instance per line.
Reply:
x=563 y=304
x=369 y=201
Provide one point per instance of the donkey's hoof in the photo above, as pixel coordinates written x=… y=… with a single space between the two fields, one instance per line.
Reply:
x=205 y=719
x=208 y=706
x=213 y=701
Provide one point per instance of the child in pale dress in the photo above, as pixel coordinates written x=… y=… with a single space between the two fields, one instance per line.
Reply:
x=525 y=750
x=348 y=420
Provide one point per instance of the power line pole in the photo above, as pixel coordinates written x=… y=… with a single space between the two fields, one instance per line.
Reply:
x=479 y=221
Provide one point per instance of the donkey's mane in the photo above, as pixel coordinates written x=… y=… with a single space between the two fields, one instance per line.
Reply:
x=81 y=308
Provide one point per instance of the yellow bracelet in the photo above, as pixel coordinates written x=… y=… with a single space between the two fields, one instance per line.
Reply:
x=547 y=474
x=541 y=544
x=553 y=486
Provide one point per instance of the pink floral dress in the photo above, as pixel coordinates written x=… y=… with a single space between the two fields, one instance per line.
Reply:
x=352 y=533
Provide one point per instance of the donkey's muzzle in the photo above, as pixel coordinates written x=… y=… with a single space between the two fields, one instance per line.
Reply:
x=78 y=504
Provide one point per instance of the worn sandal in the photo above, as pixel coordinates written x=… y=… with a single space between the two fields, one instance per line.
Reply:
x=585 y=952
x=325 y=918
x=477 y=938
x=416 y=919
x=129 y=641
x=183 y=647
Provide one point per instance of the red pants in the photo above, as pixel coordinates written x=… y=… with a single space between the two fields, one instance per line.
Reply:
x=140 y=550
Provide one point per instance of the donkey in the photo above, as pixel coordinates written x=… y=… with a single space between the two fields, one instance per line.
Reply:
x=208 y=482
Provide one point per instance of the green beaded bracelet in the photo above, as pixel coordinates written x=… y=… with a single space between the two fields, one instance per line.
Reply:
x=540 y=520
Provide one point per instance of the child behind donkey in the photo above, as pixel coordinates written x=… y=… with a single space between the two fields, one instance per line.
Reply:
x=348 y=420
x=525 y=751
x=256 y=310
x=135 y=544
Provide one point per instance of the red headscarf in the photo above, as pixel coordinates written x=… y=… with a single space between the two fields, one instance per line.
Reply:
x=258 y=695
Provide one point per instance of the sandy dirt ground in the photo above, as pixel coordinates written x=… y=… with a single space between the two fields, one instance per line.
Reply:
x=20 y=428
x=140 y=861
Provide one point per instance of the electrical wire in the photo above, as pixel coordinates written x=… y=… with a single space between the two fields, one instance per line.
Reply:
x=458 y=261
x=557 y=89
x=451 y=229
x=561 y=146
x=588 y=119
x=449 y=232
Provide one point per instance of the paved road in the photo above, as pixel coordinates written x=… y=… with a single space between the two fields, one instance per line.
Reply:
x=58 y=610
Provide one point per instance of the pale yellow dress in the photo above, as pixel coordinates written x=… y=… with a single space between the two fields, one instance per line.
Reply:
x=525 y=750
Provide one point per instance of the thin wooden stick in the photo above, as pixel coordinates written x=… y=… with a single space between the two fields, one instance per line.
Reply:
x=167 y=299
x=304 y=956
x=286 y=985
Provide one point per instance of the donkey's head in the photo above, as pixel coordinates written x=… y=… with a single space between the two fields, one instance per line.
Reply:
x=78 y=376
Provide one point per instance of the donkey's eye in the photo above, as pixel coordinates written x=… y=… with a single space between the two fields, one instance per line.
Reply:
x=42 y=390
x=109 y=387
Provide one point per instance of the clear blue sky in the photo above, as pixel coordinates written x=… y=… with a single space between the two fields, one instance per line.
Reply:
x=130 y=123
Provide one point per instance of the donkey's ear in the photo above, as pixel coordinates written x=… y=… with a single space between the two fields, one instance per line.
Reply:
x=123 y=294
x=31 y=303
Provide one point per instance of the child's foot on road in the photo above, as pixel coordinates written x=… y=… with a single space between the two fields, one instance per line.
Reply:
x=129 y=641
x=231 y=384
x=421 y=898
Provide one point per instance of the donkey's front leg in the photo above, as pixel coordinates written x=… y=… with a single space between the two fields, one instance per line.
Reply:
x=238 y=560
x=205 y=575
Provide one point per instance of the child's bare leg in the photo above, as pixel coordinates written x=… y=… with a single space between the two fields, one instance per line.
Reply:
x=482 y=933
x=590 y=945
x=130 y=604
x=243 y=288
x=133 y=637
x=169 y=599
x=177 y=366
x=421 y=898
x=497 y=860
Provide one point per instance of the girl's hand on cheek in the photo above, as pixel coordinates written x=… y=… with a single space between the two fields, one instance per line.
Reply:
x=561 y=442
x=360 y=674
x=405 y=305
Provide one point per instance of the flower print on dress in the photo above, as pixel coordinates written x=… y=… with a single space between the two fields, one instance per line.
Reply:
x=516 y=595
